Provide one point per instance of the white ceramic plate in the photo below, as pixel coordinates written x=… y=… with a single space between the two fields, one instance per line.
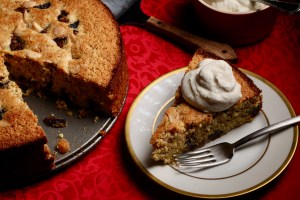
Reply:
x=253 y=166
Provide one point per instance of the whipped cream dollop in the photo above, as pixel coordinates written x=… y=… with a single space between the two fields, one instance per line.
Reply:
x=236 y=5
x=211 y=87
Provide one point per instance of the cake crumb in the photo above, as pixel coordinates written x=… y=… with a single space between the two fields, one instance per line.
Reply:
x=96 y=119
x=54 y=122
x=28 y=92
x=82 y=113
x=70 y=113
x=39 y=94
x=61 y=105
x=63 y=146
x=102 y=132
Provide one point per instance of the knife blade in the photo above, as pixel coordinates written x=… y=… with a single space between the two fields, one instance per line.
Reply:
x=118 y=7
x=129 y=12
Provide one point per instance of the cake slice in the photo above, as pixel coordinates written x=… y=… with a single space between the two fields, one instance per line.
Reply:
x=184 y=127
x=23 y=148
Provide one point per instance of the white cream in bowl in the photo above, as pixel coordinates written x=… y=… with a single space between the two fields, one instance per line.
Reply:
x=235 y=6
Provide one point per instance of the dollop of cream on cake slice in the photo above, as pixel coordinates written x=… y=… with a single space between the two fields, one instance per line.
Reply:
x=211 y=87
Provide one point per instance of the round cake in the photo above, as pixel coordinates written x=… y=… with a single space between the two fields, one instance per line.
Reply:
x=70 y=48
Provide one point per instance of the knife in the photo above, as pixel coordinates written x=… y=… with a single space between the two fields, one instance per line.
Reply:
x=129 y=12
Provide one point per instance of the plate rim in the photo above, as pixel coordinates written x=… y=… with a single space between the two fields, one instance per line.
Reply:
x=248 y=190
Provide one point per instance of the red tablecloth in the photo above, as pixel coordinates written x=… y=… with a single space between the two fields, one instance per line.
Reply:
x=107 y=172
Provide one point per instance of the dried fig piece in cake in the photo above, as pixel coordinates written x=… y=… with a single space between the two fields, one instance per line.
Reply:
x=74 y=25
x=2 y=111
x=21 y=9
x=4 y=84
x=46 y=29
x=63 y=16
x=17 y=43
x=43 y=6
x=61 y=41
x=75 y=32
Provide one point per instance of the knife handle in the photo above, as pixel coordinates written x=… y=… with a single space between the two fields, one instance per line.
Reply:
x=194 y=42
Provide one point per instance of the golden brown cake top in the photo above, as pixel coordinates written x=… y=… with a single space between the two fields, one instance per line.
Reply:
x=80 y=36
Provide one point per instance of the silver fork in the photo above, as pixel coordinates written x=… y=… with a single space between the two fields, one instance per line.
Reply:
x=223 y=152
x=290 y=7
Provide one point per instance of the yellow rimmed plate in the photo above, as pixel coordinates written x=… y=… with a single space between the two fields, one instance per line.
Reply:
x=253 y=166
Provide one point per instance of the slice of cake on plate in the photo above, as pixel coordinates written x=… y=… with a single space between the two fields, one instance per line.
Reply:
x=214 y=98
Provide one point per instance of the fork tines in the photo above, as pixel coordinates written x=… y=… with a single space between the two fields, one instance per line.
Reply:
x=197 y=158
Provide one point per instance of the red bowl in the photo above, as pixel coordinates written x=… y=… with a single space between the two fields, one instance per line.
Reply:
x=235 y=28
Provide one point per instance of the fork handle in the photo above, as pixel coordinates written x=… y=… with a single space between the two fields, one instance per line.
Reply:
x=269 y=129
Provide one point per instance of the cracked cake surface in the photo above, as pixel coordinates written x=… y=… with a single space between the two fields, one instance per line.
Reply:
x=184 y=128
x=69 y=48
